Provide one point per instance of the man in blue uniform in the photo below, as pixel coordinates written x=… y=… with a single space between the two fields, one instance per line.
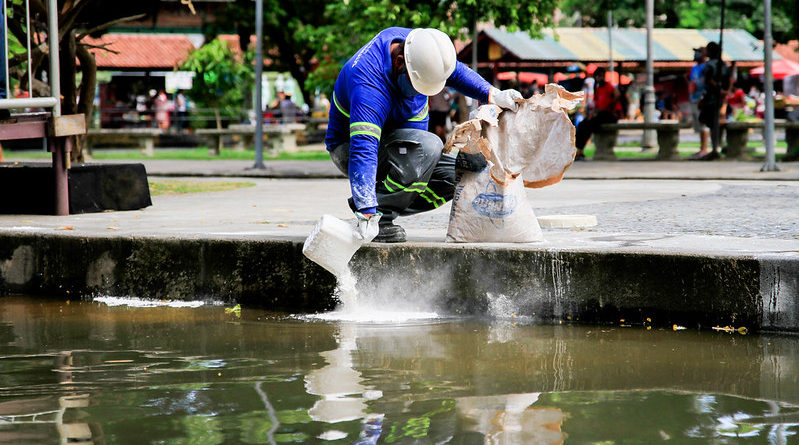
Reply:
x=377 y=133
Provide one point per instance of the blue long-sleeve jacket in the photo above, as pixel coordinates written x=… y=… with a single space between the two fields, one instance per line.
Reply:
x=366 y=99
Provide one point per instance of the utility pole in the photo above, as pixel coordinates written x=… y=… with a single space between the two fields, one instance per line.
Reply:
x=770 y=164
x=259 y=68
x=649 y=141
x=474 y=55
x=610 y=42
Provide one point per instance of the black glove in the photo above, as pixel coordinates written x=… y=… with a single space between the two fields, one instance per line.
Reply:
x=471 y=162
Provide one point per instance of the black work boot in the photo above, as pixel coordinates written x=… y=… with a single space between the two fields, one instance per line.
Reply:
x=390 y=233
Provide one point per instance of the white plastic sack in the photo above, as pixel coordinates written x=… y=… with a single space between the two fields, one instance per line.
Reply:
x=531 y=147
x=485 y=211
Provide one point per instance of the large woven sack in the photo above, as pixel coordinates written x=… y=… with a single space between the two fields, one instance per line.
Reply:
x=531 y=147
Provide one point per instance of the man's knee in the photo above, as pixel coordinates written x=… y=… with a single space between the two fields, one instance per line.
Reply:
x=422 y=139
x=413 y=153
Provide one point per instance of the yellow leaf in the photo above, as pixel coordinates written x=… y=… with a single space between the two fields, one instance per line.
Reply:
x=112 y=228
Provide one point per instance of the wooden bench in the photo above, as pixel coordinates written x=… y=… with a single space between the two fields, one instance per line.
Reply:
x=139 y=137
x=668 y=134
x=738 y=136
x=280 y=137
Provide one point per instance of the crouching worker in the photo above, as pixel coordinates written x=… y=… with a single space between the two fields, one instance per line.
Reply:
x=377 y=133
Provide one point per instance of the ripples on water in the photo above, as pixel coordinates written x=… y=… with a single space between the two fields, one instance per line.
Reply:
x=90 y=371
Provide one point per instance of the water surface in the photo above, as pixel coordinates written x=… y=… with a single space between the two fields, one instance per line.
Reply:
x=203 y=375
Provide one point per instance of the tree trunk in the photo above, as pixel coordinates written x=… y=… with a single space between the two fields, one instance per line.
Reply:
x=68 y=88
x=216 y=151
x=88 y=67
x=68 y=71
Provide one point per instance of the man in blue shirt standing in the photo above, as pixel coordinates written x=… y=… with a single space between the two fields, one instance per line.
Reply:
x=377 y=132
x=696 y=89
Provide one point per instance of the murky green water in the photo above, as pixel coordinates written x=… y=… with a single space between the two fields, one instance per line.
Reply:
x=86 y=371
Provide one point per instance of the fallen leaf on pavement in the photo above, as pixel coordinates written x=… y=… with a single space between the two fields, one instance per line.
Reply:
x=112 y=228
x=65 y=228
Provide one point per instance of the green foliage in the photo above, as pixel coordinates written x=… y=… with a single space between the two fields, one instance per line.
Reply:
x=364 y=18
x=222 y=79
x=693 y=14
x=288 y=32
x=300 y=32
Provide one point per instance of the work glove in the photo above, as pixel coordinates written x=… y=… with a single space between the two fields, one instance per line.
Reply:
x=367 y=228
x=505 y=98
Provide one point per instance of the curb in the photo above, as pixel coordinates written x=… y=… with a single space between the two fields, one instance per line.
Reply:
x=549 y=285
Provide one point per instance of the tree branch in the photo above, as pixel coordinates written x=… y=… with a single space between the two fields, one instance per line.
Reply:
x=103 y=46
x=107 y=25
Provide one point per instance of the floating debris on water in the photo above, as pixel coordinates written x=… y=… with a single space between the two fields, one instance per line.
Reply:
x=729 y=329
x=235 y=310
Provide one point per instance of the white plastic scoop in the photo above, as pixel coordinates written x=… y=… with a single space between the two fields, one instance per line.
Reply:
x=332 y=244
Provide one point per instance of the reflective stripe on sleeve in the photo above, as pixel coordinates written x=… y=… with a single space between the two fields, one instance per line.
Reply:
x=339 y=107
x=422 y=115
x=365 y=128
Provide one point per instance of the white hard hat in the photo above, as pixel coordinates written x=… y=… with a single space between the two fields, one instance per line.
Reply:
x=430 y=59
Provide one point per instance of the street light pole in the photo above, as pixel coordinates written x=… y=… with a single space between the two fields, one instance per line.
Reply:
x=474 y=55
x=649 y=141
x=770 y=164
x=259 y=68
x=610 y=44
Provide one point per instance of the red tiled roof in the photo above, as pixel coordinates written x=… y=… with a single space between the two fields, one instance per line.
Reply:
x=788 y=50
x=141 y=51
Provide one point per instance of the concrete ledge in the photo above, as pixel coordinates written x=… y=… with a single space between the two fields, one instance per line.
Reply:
x=690 y=290
x=29 y=188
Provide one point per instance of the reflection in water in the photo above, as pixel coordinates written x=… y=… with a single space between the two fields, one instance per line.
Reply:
x=199 y=375
x=511 y=419
x=270 y=410
x=343 y=396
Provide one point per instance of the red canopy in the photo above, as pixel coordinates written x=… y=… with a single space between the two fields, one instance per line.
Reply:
x=543 y=79
x=779 y=68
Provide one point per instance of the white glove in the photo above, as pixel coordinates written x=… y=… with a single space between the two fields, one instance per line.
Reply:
x=505 y=98
x=367 y=228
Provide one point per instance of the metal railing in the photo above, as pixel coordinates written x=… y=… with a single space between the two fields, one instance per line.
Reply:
x=53 y=101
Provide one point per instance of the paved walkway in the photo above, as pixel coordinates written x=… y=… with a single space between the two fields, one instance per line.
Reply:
x=626 y=169
x=725 y=208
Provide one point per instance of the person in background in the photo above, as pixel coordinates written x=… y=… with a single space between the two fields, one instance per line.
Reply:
x=716 y=75
x=696 y=89
x=323 y=103
x=161 y=108
x=377 y=132
x=288 y=109
x=182 y=106
x=606 y=99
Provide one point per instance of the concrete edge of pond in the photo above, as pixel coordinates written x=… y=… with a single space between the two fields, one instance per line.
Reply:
x=757 y=291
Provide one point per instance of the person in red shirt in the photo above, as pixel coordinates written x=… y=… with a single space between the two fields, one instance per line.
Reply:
x=606 y=98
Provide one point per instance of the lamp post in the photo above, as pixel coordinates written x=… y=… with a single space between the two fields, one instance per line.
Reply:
x=649 y=141
x=259 y=67
x=770 y=164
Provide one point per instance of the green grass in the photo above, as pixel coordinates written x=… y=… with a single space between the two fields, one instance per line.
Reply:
x=179 y=187
x=187 y=154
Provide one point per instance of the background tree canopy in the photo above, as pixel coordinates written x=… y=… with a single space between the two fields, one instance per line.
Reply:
x=694 y=14
x=313 y=38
